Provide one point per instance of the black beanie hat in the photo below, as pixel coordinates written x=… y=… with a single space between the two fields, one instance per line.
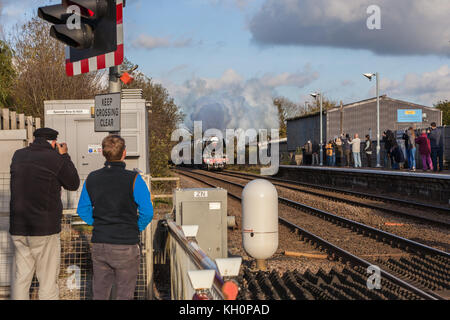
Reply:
x=47 y=133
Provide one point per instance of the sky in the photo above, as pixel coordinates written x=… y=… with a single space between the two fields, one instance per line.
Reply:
x=224 y=60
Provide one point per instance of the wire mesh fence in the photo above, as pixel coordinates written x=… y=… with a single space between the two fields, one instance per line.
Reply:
x=6 y=247
x=75 y=277
x=5 y=193
x=6 y=256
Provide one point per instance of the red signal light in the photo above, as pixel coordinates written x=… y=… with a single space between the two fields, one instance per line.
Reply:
x=86 y=7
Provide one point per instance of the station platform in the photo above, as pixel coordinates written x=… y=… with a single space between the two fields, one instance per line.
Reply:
x=420 y=186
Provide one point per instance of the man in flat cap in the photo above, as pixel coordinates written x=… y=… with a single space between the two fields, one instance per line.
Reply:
x=37 y=174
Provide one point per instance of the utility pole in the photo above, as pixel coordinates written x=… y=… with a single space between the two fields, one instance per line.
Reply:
x=114 y=80
x=342 y=118
x=115 y=85
x=316 y=96
x=370 y=76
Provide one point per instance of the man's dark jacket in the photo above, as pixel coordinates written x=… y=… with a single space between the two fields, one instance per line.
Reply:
x=308 y=148
x=436 y=140
x=115 y=212
x=37 y=174
x=346 y=144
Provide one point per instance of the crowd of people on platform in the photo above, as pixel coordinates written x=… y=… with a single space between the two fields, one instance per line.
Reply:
x=345 y=151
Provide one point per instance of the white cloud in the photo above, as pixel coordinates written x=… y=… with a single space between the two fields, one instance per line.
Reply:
x=427 y=88
x=149 y=42
x=234 y=102
x=16 y=12
x=241 y=4
x=13 y=9
x=409 y=27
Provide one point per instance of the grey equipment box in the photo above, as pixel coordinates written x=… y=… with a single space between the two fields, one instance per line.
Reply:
x=206 y=208
x=72 y=119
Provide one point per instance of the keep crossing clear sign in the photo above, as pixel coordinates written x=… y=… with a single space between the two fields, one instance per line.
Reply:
x=107 y=112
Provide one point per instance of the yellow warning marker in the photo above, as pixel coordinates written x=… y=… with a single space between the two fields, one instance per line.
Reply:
x=305 y=255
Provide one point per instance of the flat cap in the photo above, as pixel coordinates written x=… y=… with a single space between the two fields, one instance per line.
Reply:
x=47 y=133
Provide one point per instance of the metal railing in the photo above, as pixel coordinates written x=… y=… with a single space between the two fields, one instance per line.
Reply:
x=186 y=255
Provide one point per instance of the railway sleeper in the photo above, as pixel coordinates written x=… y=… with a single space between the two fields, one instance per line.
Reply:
x=353 y=292
x=312 y=288
x=413 y=277
x=420 y=275
x=267 y=286
x=337 y=294
x=433 y=266
x=299 y=292
x=427 y=269
x=389 y=289
x=443 y=262
x=280 y=286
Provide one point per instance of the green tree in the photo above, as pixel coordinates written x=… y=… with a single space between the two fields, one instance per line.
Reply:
x=164 y=118
x=444 y=106
x=327 y=104
x=7 y=74
x=286 y=110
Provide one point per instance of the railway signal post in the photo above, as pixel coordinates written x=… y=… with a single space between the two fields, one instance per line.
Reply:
x=93 y=33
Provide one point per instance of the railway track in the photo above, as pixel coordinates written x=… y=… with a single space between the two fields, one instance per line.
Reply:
x=426 y=213
x=423 y=274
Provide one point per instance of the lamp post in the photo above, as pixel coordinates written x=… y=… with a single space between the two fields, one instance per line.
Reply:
x=315 y=96
x=370 y=77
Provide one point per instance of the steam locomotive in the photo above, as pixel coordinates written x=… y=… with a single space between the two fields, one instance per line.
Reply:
x=212 y=158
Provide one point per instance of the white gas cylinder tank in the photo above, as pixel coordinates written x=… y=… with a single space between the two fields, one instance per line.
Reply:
x=260 y=219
